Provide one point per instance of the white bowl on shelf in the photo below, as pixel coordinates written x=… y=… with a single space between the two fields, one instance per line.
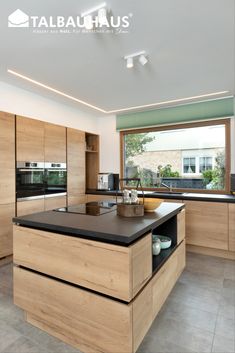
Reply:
x=165 y=241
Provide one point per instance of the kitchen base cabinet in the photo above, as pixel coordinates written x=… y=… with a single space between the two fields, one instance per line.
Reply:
x=207 y=224
x=76 y=200
x=89 y=321
x=30 y=206
x=7 y=212
x=91 y=198
x=231 y=216
x=55 y=202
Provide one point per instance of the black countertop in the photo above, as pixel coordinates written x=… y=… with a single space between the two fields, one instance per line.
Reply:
x=108 y=227
x=174 y=196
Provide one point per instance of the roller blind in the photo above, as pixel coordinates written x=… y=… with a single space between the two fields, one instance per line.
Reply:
x=184 y=113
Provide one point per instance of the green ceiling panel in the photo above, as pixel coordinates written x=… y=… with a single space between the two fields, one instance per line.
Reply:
x=218 y=108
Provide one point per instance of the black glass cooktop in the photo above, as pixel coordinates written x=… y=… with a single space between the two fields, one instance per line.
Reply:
x=90 y=208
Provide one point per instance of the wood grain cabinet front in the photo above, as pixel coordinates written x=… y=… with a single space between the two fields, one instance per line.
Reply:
x=29 y=140
x=89 y=321
x=30 y=206
x=231 y=227
x=207 y=224
x=114 y=270
x=55 y=143
x=55 y=202
x=76 y=165
x=7 y=212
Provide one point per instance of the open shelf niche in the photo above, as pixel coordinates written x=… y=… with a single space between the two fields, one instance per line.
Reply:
x=168 y=229
x=92 y=160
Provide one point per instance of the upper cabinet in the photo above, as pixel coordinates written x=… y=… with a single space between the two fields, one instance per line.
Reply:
x=7 y=158
x=55 y=143
x=38 y=141
x=30 y=139
x=7 y=140
x=76 y=165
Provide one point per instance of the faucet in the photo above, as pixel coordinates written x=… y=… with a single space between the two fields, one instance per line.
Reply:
x=168 y=187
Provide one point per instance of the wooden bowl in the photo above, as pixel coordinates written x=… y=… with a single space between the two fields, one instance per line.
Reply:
x=151 y=204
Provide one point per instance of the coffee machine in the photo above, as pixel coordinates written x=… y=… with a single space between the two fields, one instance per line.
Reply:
x=108 y=181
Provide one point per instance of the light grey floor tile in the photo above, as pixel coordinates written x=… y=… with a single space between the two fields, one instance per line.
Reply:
x=198 y=298
x=23 y=345
x=223 y=345
x=153 y=344
x=202 y=281
x=184 y=335
x=7 y=335
x=183 y=313
x=225 y=327
x=226 y=310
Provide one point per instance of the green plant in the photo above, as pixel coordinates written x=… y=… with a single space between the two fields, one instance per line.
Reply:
x=166 y=171
x=136 y=143
x=207 y=176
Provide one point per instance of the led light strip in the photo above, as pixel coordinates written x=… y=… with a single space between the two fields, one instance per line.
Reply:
x=55 y=90
x=116 y=110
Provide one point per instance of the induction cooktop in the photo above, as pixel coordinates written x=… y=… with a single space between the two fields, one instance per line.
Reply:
x=90 y=208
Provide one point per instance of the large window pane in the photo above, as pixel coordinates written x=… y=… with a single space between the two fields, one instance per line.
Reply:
x=189 y=158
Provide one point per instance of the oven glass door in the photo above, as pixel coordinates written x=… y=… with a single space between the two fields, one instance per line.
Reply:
x=29 y=183
x=56 y=181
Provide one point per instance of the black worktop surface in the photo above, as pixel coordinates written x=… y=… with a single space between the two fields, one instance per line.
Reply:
x=108 y=227
x=174 y=196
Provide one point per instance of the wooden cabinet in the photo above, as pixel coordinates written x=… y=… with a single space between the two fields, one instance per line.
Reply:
x=7 y=158
x=91 y=198
x=30 y=139
x=7 y=182
x=55 y=143
x=89 y=321
x=114 y=270
x=30 y=206
x=7 y=141
x=180 y=226
x=231 y=207
x=164 y=280
x=7 y=212
x=207 y=224
x=92 y=160
x=55 y=202
x=76 y=165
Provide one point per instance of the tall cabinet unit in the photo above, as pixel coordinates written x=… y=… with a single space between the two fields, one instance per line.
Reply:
x=37 y=141
x=7 y=181
x=76 y=166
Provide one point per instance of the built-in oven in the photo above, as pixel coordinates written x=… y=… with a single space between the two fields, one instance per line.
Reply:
x=55 y=179
x=30 y=180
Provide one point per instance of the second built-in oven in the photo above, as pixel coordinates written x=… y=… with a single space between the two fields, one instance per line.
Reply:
x=29 y=180
x=55 y=179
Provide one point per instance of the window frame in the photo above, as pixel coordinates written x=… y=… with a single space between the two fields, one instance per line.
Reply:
x=223 y=121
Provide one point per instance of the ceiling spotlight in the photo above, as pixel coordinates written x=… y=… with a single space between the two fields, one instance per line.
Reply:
x=143 y=60
x=129 y=63
x=88 y=22
x=130 y=58
x=93 y=9
x=102 y=16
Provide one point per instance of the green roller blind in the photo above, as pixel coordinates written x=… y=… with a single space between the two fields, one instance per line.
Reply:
x=212 y=109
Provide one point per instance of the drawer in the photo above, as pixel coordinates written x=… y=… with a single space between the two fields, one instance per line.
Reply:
x=90 y=322
x=114 y=270
x=55 y=202
x=165 y=279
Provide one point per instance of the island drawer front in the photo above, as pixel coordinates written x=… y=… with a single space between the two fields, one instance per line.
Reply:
x=86 y=320
x=114 y=270
x=165 y=279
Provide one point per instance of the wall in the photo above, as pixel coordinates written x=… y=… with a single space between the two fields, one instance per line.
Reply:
x=19 y=101
x=109 y=144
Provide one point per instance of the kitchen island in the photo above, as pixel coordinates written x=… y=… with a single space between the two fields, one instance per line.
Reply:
x=92 y=281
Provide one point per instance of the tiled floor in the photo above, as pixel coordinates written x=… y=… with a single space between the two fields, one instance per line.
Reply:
x=199 y=315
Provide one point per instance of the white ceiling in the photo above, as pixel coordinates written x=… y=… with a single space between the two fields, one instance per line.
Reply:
x=190 y=45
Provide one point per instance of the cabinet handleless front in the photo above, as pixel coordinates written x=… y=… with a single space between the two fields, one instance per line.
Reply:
x=117 y=271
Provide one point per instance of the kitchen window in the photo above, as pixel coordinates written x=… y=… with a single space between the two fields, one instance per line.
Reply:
x=193 y=156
